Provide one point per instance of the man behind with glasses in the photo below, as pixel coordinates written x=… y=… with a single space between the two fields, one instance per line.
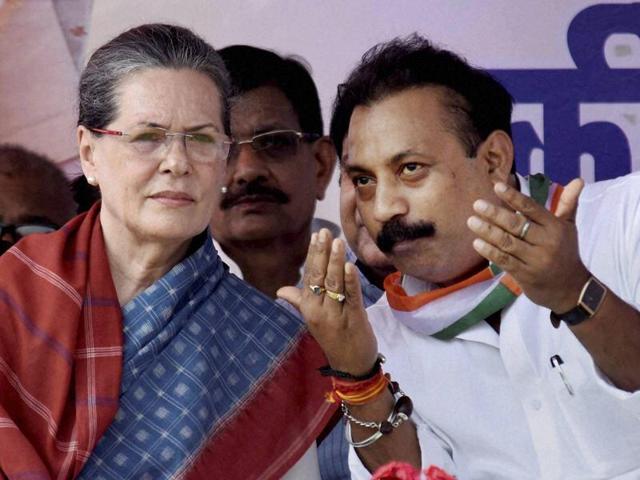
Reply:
x=280 y=165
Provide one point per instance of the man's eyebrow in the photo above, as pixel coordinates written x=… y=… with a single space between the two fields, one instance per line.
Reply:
x=392 y=161
x=354 y=169
x=270 y=127
x=400 y=156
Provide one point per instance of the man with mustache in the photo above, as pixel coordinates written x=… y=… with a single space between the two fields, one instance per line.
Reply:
x=280 y=165
x=513 y=322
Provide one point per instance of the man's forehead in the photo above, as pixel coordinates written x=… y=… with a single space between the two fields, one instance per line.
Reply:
x=260 y=109
x=372 y=135
x=408 y=121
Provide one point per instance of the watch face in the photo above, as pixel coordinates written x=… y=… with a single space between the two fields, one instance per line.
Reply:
x=592 y=296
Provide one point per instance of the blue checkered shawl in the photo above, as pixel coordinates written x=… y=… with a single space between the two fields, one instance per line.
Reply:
x=196 y=344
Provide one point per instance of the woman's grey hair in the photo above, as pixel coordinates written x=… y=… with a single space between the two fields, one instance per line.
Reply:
x=147 y=46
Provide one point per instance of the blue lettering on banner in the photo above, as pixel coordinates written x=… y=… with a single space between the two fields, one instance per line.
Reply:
x=561 y=91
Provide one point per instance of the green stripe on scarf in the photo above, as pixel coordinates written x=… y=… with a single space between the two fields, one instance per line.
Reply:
x=501 y=296
x=495 y=301
x=539 y=188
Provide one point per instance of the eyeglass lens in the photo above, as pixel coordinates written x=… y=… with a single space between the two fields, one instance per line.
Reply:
x=276 y=144
x=13 y=233
x=202 y=146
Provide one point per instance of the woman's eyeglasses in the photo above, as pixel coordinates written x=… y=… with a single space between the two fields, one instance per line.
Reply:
x=277 y=143
x=211 y=146
x=205 y=147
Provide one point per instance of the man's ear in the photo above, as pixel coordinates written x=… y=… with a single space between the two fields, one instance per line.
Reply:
x=497 y=154
x=325 y=155
x=85 y=151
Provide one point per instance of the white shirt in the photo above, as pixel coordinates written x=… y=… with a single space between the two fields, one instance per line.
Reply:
x=316 y=225
x=493 y=407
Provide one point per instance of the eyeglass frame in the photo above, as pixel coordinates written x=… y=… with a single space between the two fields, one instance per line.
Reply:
x=168 y=133
x=302 y=136
x=12 y=229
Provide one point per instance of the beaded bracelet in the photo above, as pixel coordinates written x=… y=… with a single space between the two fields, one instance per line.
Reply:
x=402 y=410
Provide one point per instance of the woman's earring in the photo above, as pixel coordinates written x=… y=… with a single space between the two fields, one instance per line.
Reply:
x=224 y=190
x=92 y=181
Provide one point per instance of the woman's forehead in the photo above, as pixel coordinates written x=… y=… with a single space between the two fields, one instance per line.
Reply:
x=154 y=94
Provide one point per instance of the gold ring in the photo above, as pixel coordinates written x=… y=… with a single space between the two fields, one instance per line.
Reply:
x=524 y=230
x=338 y=297
x=316 y=289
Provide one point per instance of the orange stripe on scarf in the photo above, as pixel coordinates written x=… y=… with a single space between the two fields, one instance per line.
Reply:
x=555 y=198
x=401 y=301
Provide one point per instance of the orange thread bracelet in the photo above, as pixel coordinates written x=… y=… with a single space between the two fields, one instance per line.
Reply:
x=359 y=392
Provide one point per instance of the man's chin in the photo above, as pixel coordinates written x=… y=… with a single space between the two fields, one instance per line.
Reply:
x=371 y=255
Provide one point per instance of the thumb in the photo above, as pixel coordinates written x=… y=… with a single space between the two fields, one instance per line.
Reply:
x=292 y=295
x=568 y=203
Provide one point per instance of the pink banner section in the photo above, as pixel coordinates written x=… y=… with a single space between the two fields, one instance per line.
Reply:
x=39 y=78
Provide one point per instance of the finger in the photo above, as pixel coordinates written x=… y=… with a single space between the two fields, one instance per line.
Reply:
x=334 y=279
x=568 y=202
x=523 y=204
x=354 y=302
x=316 y=265
x=502 y=259
x=292 y=295
x=497 y=237
x=311 y=253
x=507 y=220
x=357 y=317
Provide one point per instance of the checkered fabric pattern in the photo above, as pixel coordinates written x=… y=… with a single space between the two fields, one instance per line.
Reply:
x=196 y=343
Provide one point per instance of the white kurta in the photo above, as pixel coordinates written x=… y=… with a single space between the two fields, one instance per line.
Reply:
x=493 y=407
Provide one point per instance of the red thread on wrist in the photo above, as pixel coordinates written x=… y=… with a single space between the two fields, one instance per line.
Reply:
x=358 y=392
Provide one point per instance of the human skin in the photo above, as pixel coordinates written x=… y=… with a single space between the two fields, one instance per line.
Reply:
x=153 y=205
x=267 y=238
x=420 y=173
x=357 y=236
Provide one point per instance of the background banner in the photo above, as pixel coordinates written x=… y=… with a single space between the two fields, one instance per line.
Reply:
x=573 y=66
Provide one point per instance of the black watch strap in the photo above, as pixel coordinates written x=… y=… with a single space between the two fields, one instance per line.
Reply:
x=591 y=297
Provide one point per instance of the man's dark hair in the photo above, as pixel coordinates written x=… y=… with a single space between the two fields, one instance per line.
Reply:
x=478 y=104
x=84 y=194
x=37 y=183
x=252 y=67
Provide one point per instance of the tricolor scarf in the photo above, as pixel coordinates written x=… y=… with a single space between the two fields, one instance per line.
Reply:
x=445 y=312
x=213 y=372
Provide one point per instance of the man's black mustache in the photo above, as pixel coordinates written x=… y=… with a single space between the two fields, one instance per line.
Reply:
x=395 y=231
x=252 y=188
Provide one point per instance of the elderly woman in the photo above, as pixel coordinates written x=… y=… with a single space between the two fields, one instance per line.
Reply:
x=126 y=349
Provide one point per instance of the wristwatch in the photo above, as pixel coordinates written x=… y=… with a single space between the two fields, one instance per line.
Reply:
x=591 y=297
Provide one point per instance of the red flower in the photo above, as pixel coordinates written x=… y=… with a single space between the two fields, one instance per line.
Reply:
x=435 y=473
x=396 y=471
x=405 y=471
